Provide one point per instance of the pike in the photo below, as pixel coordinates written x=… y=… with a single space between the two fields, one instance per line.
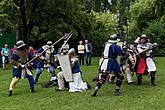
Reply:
x=65 y=43
x=65 y=36
x=153 y=46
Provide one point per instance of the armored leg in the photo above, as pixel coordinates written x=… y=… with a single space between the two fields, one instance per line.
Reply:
x=129 y=75
x=38 y=73
x=153 y=78
x=118 y=83
x=139 y=79
x=61 y=82
x=31 y=83
x=12 y=85
x=52 y=81
x=101 y=81
x=51 y=71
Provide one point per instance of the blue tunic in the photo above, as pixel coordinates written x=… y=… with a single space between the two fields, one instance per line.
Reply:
x=109 y=63
x=75 y=65
x=76 y=68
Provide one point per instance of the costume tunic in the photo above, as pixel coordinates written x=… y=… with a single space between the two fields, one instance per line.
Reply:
x=145 y=61
x=109 y=63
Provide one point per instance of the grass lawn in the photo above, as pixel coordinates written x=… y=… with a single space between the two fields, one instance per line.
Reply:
x=145 y=97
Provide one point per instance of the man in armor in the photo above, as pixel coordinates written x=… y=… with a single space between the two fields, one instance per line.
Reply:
x=65 y=48
x=128 y=63
x=46 y=60
x=77 y=85
x=19 y=58
x=145 y=62
x=110 y=65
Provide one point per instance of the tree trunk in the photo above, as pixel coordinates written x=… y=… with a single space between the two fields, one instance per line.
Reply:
x=25 y=35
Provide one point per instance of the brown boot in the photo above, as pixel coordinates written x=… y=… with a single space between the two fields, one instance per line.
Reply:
x=47 y=84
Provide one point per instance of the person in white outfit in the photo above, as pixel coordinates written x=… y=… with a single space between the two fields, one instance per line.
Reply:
x=144 y=49
x=77 y=85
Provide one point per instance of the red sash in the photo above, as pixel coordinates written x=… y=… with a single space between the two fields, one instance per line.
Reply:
x=142 y=66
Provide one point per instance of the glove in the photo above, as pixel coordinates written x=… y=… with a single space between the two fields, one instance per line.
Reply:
x=37 y=55
x=155 y=44
x=48 y=61
x=22 y=66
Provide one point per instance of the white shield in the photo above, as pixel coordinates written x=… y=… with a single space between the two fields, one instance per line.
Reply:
x=66 y=67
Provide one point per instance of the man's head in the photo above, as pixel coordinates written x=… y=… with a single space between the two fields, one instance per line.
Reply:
x=71 y=52
x=113 y=39
x=143 y=39
x=6 y=46
x=86 y=41
x=80 y=42
x=30 y=48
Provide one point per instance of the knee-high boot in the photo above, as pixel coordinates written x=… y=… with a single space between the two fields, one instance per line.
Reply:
x=153 y=78
x=98 y=86
x=100 y=83
x=12 y=85
x=38 y=73
x=118 y=85
x=139 y=79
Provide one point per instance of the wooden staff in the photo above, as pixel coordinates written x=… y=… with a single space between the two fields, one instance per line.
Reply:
x=65 y=36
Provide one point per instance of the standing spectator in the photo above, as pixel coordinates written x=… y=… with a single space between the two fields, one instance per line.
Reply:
x=31 y=52
x=81 y=49
x=88 y=52
x=5 y=56
x=12 y=50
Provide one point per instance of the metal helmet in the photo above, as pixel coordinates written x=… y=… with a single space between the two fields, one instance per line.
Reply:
x=49 y=42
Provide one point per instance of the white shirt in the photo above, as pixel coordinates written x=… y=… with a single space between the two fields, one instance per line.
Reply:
x=86 y=48
x=81 y=48
x=143 y=47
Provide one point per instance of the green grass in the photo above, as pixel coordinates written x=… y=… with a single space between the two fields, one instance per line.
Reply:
x=145 y=97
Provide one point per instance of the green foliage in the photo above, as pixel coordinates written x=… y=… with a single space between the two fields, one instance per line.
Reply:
x=8 y=16
x=141 y=13
x=156 y=33
x=147 y=16
x=106 y=24
x=50 y=19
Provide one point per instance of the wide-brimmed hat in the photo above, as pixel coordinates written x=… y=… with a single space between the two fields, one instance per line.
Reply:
x=20 y=44
x=114 y=38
